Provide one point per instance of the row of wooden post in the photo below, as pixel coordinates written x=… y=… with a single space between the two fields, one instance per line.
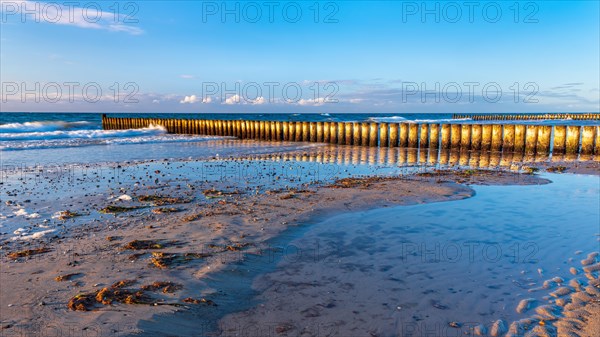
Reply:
x=528 y=139
x=525 y=117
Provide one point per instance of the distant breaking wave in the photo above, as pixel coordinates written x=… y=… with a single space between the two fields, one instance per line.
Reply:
x=43 y=126
x=83 y=134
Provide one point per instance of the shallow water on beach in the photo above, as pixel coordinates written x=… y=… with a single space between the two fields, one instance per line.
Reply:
x=410 y=270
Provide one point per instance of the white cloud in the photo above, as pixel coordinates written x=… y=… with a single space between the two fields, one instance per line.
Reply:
x=314 y=102
x=235 y=99
x=155 y=101
x=207 y=100
x=190 y=100
x=89 y=17
x=187 y=76
x=259 y=100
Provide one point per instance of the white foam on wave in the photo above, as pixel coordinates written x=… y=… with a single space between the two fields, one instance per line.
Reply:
x=153 y=130
x=42 y=126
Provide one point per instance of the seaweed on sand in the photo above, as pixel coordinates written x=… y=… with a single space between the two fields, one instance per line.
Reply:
x=112 y=209
x=158 y=200
x=27 y=253
x=117 y=293
x=166 y=260
x=145 y=244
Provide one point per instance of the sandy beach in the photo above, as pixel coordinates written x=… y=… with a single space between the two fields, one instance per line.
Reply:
x=148 y=261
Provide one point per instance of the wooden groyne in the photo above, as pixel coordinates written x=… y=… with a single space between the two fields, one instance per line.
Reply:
x=516 y=138
x=528 y=117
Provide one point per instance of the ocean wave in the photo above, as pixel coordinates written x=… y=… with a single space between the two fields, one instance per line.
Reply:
x=43 y=126
x=79 y=142
x=387 y=119
x=83 y=134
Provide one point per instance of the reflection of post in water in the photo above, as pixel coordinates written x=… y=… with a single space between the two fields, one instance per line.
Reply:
x=392 y=156
x=411 y=156
x=463 y=159
x=402 y=156
x=382 y=155
x=423 y=156
x=474 y=158
x=454 y=157
x=484 y=159
x=433 y=157
x=495 y=159
x=444 y=156
x=506 y=160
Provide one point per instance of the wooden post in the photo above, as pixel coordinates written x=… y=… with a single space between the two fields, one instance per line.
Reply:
x=508 y=141
x=404 y=135
x=531 y=134
x=333 y=132
x=356 y=128
x=446 y=136
x=341 y=131
x=497 y=137
x=543 y=141
x=305 y=132
x=573 y=133
x=455 y=136
x=560 y=137
x=413 y=135
x=597 y=147
x=348 y=133
x=520 y=133
x=383 y=135
x=587 y=139
x=364 y=134
x=256 y=130
x=313 y=132
x=373 y=134
x=394 y=132
x=486 y=137
x=434 y=136
x=326 y=132
x=423 y=136
x=278 y=131
x=320 y=132
x=476 y=137
x=465 y=136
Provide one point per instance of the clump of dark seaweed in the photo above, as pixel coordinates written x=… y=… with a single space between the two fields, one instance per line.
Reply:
x=112 y=209
x=199 y=301
x=145 y=244
x=158 y=200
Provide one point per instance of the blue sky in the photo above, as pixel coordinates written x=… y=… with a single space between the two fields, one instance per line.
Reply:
x=395 y=56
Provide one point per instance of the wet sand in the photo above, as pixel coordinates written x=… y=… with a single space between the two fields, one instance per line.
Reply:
x=216 y=224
